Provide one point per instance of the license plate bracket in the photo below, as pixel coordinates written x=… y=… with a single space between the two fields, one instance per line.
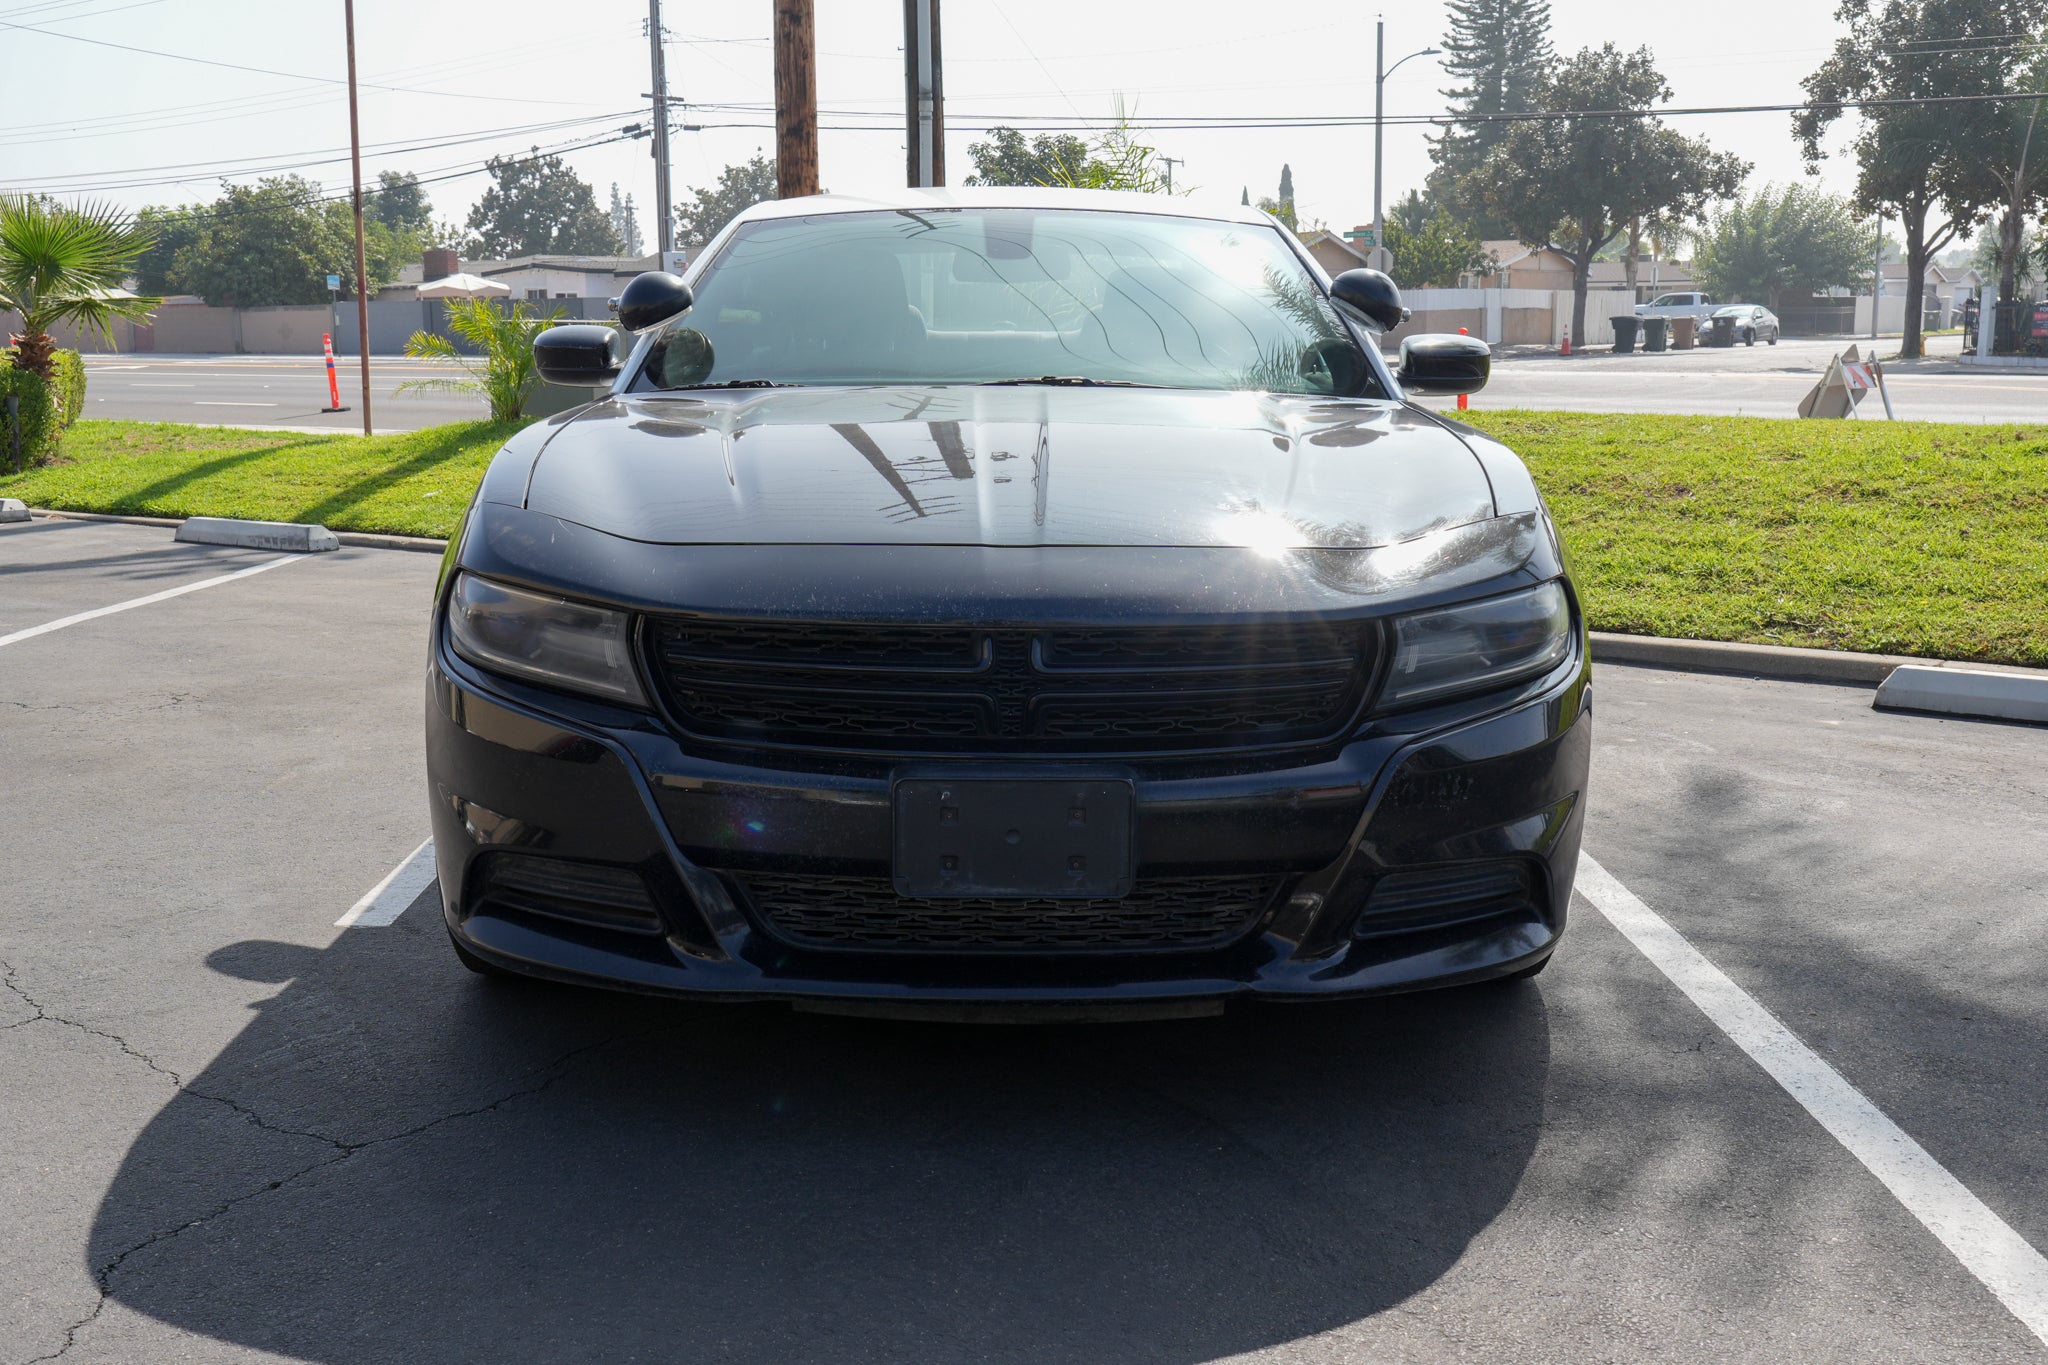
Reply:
x=1014 y=839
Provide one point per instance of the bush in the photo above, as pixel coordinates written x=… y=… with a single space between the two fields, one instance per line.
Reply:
x=69 y=383
x=39 y=419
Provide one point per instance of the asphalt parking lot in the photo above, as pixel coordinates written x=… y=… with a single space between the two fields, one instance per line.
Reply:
x=234 y=1130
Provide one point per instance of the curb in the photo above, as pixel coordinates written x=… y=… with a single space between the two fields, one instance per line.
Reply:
x=1776 y=661
x=291 y=536
x=369 y=539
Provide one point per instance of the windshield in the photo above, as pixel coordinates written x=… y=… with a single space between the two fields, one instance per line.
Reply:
x=988 y=295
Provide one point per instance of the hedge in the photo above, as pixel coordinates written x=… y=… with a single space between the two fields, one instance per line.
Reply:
x=69 y=382
x=38 y=416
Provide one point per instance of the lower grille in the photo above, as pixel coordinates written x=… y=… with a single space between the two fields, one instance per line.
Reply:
x=1406 y=902
x=865 y=913
x=584 y=893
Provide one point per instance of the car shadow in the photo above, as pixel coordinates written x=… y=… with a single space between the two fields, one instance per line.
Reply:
x=468 y=1169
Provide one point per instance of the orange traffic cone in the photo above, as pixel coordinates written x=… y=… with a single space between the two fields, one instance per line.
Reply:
x=1567 y=347
x=1463 y=398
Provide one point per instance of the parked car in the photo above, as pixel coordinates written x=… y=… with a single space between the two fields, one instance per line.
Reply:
x=1007 y=598
x=1751 y=322
x=1682 y=305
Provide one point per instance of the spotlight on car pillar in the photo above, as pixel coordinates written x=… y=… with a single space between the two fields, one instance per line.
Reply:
x=1374 y=295
x=652 y=299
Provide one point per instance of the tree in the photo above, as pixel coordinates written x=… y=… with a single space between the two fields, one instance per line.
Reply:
x=1283 y=206
x=1921 y=161
x=625 y=222
x=270 y=243
x=1777 y=241
x=739 y=188
x=539 y=206
x=1498 y=51
x=1436 y=254
x=60 y=264
x=172 y=229
x=2016 y=160
x=1006 y=159
x=1413 y=211
x=1115 y=159
x=503 y=371
x=1575 y=179
x=400 y=204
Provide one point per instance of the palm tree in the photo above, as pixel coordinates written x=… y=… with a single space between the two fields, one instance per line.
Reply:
x=504 y=374
x=61 y=264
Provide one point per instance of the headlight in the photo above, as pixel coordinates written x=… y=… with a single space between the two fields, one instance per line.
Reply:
x=1479 y=645
x=544 y=639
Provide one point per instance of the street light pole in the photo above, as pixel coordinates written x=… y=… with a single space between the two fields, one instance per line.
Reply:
x=355 y=155
x=1380 y=72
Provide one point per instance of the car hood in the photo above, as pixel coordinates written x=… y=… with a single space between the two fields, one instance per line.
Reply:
x=961 y=465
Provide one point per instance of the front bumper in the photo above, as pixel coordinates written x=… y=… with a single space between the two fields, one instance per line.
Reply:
x=517 y=769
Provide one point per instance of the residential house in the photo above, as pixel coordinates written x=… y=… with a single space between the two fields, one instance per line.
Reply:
x=1333 y=253
x=529 y=277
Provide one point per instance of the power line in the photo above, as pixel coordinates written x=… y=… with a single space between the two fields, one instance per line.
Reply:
x=269 y=71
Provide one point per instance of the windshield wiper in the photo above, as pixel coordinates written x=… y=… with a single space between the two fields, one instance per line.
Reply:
x=738 y=384
x=1080 y=381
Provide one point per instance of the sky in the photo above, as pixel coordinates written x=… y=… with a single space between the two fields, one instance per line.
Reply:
x=445 y=85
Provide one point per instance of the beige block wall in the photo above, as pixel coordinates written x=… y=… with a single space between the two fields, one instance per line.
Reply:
x=195 y=329
x=73 y=339
x=284 y=331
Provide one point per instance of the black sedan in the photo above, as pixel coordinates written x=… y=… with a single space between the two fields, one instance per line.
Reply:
x=1007 y=599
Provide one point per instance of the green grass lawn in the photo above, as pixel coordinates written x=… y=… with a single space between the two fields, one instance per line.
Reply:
x=1905 y=538
x=414 y=483
x=1896 y=538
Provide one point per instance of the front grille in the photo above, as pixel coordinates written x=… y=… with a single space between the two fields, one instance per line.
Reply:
x=865 y=913
x=1009 y=690
x=1405 y=902
x=558 y=888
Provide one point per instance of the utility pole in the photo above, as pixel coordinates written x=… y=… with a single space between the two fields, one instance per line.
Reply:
x=1877 y=277
x=355 y=156
x=1171 y=162
x=924 y=94
x=796 y=99
x=664 y=224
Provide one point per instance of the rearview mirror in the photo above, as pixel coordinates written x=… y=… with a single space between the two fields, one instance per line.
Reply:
x=1442 y=363
x=580 y=354
x=1371 y=294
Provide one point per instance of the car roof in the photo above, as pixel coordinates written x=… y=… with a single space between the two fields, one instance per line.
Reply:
x=1009 y=197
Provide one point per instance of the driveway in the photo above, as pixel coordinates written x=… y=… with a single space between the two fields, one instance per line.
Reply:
x=237 y=1131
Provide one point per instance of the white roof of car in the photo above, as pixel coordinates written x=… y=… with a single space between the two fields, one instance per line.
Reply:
x=985 y=197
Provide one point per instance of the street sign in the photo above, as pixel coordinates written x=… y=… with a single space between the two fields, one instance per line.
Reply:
x=334 y=283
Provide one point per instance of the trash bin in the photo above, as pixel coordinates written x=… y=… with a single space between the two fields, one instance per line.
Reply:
x=1724 y=332
x=1684 y=332
x=1653 y=333
x=1624 y=332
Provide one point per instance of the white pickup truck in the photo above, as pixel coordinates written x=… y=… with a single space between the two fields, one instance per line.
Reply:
x=1699 y=306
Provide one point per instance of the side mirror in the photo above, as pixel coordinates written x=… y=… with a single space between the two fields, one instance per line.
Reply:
x=651 y=299
x=579 y=354
x=1441 y=363
x=1371 y=294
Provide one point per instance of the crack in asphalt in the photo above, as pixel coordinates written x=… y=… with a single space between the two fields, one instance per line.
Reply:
x=103 y=1277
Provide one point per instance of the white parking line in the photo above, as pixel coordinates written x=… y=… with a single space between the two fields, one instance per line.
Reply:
x=134 y=602
x=218 y=403
x=1986 y=1245
x=383 y=903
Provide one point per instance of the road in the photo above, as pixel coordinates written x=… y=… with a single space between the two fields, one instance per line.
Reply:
x=1760 y=381
x=267 y=391
x=236 y=1132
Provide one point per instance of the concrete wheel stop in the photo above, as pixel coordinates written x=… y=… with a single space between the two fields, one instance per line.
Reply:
x=1965 y=692
x=290 y=536
x=13 y=509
